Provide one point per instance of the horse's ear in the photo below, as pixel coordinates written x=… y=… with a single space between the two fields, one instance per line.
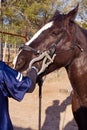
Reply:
x=72 y=14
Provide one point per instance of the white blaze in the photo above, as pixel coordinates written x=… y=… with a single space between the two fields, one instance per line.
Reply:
x=15 y=59
x=45 y=27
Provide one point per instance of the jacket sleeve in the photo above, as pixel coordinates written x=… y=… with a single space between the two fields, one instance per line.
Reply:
x=32 y=74
x=12 y=83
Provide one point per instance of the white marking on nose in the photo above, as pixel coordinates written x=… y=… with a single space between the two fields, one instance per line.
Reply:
x=15 y=59
x=45 y=27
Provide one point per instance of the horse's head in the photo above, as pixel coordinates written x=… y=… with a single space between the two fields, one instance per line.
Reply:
x=58 y=34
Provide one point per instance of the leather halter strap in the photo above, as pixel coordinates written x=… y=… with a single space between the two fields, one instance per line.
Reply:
x=28 y=48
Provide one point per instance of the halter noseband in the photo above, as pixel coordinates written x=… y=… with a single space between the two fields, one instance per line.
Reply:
x=28 y=48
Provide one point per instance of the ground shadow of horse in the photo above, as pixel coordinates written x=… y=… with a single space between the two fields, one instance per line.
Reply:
x=19 y=128
x=52 y=120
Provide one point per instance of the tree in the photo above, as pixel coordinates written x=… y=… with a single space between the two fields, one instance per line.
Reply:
x=25 y=17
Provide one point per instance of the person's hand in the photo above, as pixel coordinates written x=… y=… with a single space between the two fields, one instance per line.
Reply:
x=32 y=74
x=35 y=68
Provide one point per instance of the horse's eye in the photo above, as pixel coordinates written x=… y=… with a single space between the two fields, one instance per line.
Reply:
x=54 y=33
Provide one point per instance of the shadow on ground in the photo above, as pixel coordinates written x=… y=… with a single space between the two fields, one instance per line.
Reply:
x=52 y=120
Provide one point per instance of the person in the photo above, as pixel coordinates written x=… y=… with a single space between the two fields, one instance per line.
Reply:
x=13 y=85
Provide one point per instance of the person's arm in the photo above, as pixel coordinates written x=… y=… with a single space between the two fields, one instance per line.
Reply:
x=32 y=74
x=14 y=84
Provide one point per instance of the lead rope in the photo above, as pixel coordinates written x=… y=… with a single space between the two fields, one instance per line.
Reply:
x=40 y=83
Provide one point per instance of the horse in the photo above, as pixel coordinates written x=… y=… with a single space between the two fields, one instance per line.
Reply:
x=65 y=39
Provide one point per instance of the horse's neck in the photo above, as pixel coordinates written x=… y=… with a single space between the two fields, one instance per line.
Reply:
x=77 y=73
x=81 y=36
x=78 y=68
x=79 y=65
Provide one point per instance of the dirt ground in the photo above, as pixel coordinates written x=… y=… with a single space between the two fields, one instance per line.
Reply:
x=56 y=113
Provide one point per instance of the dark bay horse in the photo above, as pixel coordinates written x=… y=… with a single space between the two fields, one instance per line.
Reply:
x=65 y=38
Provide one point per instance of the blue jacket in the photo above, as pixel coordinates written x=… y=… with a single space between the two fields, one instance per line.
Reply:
x=12 y=83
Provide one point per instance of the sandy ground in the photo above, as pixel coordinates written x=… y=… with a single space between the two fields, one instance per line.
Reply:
x=56 y=113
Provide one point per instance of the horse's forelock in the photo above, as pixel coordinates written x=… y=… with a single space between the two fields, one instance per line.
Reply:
x=55 y=16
